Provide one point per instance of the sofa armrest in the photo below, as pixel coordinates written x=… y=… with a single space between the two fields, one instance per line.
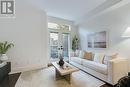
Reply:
x=117 y=68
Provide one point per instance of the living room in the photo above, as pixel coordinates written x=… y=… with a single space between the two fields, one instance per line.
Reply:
x=38 y=43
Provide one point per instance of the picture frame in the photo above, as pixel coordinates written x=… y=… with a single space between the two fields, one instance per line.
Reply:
x=97 y=40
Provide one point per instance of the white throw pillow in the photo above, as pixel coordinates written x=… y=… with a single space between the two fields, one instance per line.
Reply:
x=76 y=53
x=72 y=54
x=109 y=57
x=81 y=54
x=98 y=57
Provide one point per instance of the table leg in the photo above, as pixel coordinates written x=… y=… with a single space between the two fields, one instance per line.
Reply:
x=68 y=78
x=57 y=74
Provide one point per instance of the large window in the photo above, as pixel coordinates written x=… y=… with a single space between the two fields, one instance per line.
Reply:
x=53 y=25
x=59 y=37
x=59 y=26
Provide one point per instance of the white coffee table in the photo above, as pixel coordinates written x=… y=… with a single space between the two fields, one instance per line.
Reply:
x=65 y=71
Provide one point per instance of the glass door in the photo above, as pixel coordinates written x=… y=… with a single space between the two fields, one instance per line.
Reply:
x=65 y=41
x=54 y=41
x=58 y=40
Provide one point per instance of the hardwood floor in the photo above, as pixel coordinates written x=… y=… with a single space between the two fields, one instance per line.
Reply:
x=10 y=80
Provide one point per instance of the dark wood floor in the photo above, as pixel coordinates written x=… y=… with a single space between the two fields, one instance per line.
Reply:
x=10 y=80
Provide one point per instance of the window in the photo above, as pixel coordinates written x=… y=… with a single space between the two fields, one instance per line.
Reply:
x=59 y=26
x=53 y=25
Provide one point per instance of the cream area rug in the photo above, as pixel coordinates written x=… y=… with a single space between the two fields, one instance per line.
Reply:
x=46 y=78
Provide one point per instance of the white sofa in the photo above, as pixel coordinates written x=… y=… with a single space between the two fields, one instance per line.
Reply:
x=110 y=73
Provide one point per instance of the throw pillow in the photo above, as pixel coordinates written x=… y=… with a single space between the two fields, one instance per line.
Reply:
x=76 y=53
x=98 y=57
x=72 y=54
x=107 y=58
x=81 y=54
x=88 y=55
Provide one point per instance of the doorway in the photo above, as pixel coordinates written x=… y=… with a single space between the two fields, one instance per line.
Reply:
x=59 y=40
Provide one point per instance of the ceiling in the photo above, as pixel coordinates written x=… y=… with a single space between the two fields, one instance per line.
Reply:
x=75 y=10
x=70 y=9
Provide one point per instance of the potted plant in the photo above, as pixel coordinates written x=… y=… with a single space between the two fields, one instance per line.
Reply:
x=4 y=47
x=75 y=44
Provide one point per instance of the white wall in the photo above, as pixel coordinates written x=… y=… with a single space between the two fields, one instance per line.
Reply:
x=28 y=31
x=115 y=22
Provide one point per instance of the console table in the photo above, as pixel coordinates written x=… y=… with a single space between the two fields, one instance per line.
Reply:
x=4 y=71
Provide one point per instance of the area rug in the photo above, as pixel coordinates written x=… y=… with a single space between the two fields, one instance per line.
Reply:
x=46 y=78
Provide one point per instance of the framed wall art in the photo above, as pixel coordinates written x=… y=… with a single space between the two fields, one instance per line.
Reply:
x=97 y=40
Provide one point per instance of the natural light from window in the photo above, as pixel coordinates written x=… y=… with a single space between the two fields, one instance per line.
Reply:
x=59 y=37
x=53 y=25
x=59 y=26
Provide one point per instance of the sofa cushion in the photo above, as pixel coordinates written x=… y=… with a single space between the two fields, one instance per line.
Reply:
x=76 y=54
x=88 y=55
x=72 y=54
x=98 y=57
x=102 y=68
x=109 y=57
x=81 y=54
x=76 y=59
